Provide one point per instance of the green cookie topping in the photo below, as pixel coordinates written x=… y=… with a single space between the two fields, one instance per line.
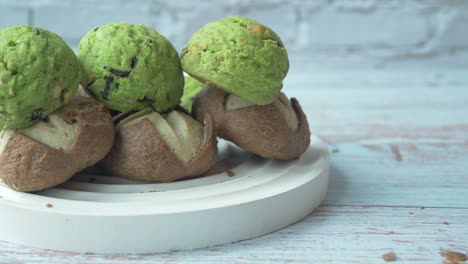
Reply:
x=38 y=74
x=240 y=56
x=131 y=67
x=191 y=88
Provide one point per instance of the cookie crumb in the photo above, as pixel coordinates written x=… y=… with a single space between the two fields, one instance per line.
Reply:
x=49 y=205
x=391 y=232
x=445 y=223
x=390 y=256
x=422 y=208
x=230 y=173
x=411 y=213
x=453 y=256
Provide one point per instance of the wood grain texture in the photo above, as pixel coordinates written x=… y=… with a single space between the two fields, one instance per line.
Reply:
x=398 y=181
x=332 y=234
x=399 y=172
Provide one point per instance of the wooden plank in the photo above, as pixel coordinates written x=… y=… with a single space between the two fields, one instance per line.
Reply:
x=357 y=105
x=349 y=114
x=397 y=145
x=332 y=234
x=399 y=173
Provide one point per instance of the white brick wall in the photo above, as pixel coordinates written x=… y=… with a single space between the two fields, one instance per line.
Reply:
x=323 y=33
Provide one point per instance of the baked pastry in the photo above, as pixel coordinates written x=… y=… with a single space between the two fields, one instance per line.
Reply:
x=52 y=150
x=240 y=56
x=130 y=67
x=163 y=148
x=39 y=73
x=279 y=130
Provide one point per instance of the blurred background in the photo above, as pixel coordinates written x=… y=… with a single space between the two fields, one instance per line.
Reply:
x=322 y=35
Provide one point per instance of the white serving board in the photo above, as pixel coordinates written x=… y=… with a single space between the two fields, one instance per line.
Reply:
x=93 y=213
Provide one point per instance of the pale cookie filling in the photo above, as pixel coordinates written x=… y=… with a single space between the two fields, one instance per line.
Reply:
x=282 y=102
x=5 y=136
x=55 y=133
x=284 y=106
x=182 y=134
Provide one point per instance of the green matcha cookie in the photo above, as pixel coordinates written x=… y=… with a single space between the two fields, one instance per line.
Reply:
x=240 y=56
x=38 y=74
x=191 y=88
x=130 y=67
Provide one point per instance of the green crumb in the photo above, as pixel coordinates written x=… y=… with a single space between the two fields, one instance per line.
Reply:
x=335 y=150
x=16 y=187
x=191 y=88
x=130 y=67
x=39 y=73
x=240 y=56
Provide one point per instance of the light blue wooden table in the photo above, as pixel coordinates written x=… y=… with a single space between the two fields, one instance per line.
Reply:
x=399 y=177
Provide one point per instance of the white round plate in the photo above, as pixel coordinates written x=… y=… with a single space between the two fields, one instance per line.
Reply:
x=93 y=213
